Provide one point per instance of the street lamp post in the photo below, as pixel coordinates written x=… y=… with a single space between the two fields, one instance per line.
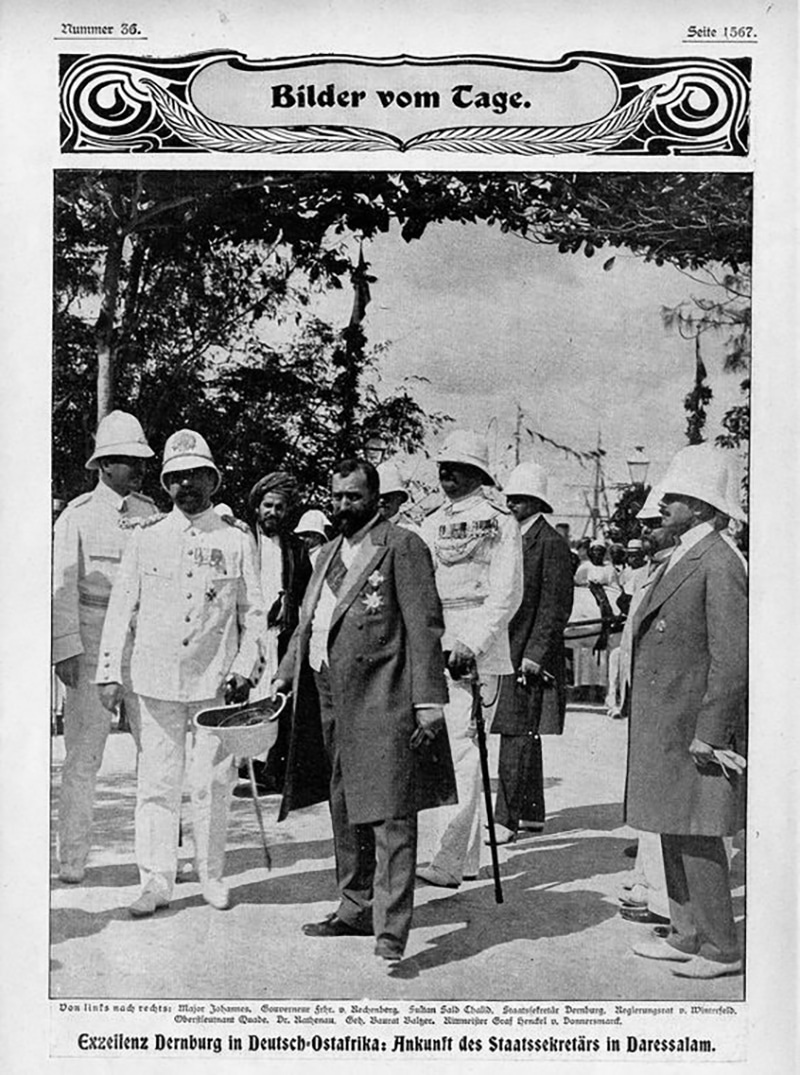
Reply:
x=638 y=466
x=375 y=449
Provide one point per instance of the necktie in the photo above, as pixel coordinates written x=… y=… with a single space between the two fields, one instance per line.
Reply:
x=336 y=571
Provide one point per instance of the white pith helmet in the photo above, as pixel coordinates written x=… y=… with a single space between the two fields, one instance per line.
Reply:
x=650 y=508
x=187 y=450
x=528 y=479
x=119 y=433
x=706 y=473
x=313 y=521
x=468 y=447
x=390 y=479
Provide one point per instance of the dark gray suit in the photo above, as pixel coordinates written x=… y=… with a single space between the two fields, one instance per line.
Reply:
x=525 y=713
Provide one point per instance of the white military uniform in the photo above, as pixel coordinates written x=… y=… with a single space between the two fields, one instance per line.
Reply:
x=191 y=585
x=477 y=556
x=89 y=538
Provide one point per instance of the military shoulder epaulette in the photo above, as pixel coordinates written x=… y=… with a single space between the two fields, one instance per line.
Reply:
x=496 y=499
x=141 y=522
x=76 y=503
x=432 y=511
x=238 y=523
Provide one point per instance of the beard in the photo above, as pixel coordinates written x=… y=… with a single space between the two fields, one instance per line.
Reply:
x=190 y=501
x=350 y=522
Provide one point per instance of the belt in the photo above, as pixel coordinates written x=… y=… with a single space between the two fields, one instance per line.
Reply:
x=92 y=600
x=463 y=602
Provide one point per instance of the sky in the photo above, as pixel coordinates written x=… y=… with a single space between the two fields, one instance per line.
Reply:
x=492 y=321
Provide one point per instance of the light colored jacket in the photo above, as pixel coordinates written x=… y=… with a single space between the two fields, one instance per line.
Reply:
x=477 y=556
x=89 y=539
x=191 y=585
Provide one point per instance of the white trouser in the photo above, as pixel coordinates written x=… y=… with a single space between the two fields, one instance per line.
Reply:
x=158 y=794
x=459 y=849
x=614 y=693
x=86 y=728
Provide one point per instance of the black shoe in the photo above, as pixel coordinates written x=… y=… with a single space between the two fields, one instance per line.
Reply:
x=333 y=926
x=386 y=948
x=245 y=791
x=531 y=826
x=642 y=914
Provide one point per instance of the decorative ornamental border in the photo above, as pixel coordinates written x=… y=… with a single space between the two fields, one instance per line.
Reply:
x=119 y=103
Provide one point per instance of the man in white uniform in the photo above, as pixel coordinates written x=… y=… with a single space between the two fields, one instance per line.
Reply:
x=189 y=579
x=88 y=541
x=477 y=556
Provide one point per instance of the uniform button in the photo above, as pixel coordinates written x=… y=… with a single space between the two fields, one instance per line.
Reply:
x=186 y=641
x=188 y=618
x=188 y=574
x=188 y=597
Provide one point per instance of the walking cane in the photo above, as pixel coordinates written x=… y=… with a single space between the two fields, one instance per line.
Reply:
x=257 y=805
x=477 y=718
x=244 y=731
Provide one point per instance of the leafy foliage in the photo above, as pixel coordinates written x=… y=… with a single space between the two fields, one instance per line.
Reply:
x=623 y=524
x=167 y=285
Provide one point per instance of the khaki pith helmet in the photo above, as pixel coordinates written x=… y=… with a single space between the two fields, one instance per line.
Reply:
x=119 y=433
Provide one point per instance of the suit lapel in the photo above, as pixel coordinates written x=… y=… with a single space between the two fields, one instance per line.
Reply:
x=530 y=539
x=315 y=582
x=665 y=583
x=370 y=552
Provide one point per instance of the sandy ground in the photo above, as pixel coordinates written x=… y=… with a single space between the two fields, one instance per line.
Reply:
x=556 y=936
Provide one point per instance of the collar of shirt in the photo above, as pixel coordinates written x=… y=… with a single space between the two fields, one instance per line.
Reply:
x=528 y=523
x=105 y=492
x=687 y=541
x=464 y=503
x=187 y=522
x=350 y=545
x=691 y=537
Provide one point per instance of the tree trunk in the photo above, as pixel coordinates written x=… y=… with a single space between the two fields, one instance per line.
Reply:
x=104 y=329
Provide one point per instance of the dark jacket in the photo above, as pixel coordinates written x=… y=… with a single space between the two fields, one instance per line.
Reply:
x=537 y=632
x=285 y=613
x=384 y=648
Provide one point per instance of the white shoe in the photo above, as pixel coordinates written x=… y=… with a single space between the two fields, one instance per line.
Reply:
x=216 y=894
x=659 y=949
x=147 y=904
x=700 y=967
x=432 y=875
